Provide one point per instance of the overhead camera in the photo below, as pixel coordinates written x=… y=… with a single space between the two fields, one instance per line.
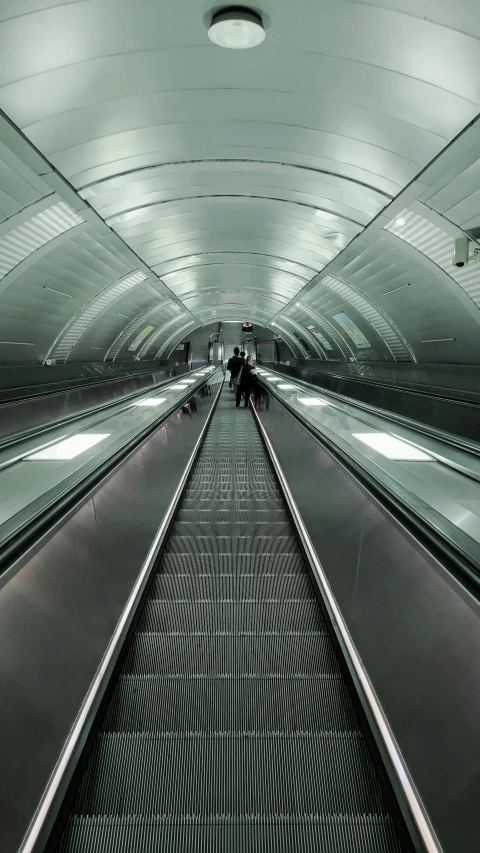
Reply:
x=461 y=253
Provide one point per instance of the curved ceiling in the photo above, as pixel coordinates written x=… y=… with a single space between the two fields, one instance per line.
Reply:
x=211 y=184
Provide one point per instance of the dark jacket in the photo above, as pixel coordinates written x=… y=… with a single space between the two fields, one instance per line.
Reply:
x=249 y=378
x=234 y=364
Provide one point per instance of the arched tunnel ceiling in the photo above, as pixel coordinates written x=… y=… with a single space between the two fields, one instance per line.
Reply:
x=218 y=185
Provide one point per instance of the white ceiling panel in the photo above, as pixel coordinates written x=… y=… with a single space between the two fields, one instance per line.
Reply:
x=436 y=244
x=244 y=180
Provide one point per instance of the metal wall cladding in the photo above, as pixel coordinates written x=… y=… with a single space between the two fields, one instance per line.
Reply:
x=187 y=172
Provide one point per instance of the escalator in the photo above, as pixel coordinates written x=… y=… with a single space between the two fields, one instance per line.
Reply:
x=230 y=727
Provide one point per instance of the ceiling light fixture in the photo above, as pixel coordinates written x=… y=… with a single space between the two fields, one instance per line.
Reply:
x=400 y=221
x=236 y=28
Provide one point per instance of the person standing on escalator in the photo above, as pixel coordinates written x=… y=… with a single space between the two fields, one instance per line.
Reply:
x=234 y=364
x=245 y=381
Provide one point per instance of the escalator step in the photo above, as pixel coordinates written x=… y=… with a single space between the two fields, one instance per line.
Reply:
x=222 y=543
x=214 y=587
x=224 y=774
x=322 y=834
x=232 y=617
x=181 y=561
x=248 y=655
x=155 y=703
x=237 y=514
x=219 y=527
x=222 y=504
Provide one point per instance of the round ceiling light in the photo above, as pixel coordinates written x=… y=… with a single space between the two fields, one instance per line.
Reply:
x=237 y=29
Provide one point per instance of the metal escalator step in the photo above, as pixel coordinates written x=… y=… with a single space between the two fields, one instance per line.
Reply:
x=257 y=585
x=233 y=504
x=183 y=561
x=307 y=654
x=232 y=492
x=256 y=463
x=222 y=479
x=235 y=445
x=232 y=617
x=240 y=475
x=257 y=834
x=154 y=704
x=244 y=486
x=225 y=544
x=233 y=464
x=235 y=529
x=225 y=774
x=229 y=513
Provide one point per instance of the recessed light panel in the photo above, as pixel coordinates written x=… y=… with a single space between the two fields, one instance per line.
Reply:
x=151 y=401
x=286 y=387
x=313 y=401
x=393 y=448
x=178 y=387
x=69 y=447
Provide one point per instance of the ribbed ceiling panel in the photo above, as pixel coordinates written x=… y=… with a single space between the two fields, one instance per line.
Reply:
x=306 y=334
x=132 y=327
x=151 y=340
x=76 y=330
x=394 y=342
x=437 y=245
x=26 y=238
x=329 y=329
x=177 y=335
